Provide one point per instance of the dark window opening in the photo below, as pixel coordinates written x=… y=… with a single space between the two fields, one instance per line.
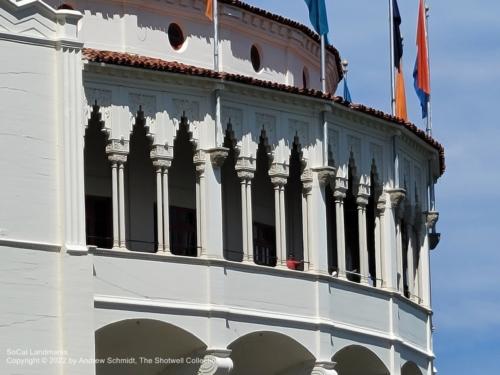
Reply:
x=175 y=36
x=370 y=229
x=305 y=78
x=331 y=230
x=183 y=231
x=264 y=242
x=255 y=57
x=99 y=221
x=405 y=240
x=351 y=232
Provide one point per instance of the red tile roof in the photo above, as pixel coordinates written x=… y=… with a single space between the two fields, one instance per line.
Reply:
x=288 y=22
x=143 y=62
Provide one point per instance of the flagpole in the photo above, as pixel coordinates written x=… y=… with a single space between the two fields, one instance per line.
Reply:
x=429 y=106
x=215 y=16
x=323 y=63
x=391 y=36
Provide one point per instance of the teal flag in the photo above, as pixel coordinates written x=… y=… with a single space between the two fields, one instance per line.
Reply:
x=317 y=15
x=347 y=93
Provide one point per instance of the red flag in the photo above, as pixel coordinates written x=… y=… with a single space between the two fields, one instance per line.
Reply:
x=421 y=73
x=209 y=10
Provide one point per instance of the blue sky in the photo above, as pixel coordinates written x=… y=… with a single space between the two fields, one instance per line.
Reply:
x=465 y=56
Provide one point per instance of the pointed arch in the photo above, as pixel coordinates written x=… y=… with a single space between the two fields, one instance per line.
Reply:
x=98 y=189
x=353 y=265
x=182 y=188
x=263 y=211
x=295 y=207
x=372 y=226
x=410 y=368
x=231 y=200
x=140 y=190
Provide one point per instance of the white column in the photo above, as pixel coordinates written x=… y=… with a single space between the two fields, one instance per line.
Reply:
x=392 y=255
x=199 y=161
x=166 y=213
x=283 y=225
x=339 y=195
x=305 y=228
x=114 y=182
x=159 y=208
x=244 y=217
x=121 y=197
x=277 y=223
x=380 y=248
x=249 y=220
x=363 y=248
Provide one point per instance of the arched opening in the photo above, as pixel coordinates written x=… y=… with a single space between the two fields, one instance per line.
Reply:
x=140 y=191
x=182 y=189
x=356 y=360
x=352 y=227
x=410 y=368
x=231 y=202
x=371 y=227
x=405 y=245
x=98 y=190
x=294 y=204
x=149 y=339
x=264 y=230
x=270 y=353
x=331 y=230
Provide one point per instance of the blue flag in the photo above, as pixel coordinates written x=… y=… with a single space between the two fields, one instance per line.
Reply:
x=347 y=93
x=317 y=15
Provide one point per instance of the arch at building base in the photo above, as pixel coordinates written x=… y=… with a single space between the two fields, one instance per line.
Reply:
x=356 y=360
x=168 y=347
x=270 y=353
x=410 y=368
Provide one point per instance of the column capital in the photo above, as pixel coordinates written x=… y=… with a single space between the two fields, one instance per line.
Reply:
x=199 y=160
x=340 y=190
x=326 y=175
x=397 y=196
x=218 y=155
x=324 y=368
x=162 y=156
x=307 y=180
x=117 y=158
x=363 y=194
x=117 y=151
x=245 y=167
x=216 y=362
x=431 y=218
x=381 y=205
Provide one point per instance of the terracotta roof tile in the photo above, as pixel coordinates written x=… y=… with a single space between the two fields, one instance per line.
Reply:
x=143 y=62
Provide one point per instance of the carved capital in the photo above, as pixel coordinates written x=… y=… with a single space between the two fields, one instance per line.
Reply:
x=216 y=362
x=278 y=170
x=397 y=196
x=363 y=194
x=199 y=160
x=117 y=146
x=381 y=205
x=326 y=176
x=245 y=168
x=307 y=179
x=341 y=185
x=218 y=156
x=117 y=158
x=162 y=156
x=431 y=218
x=278 y=181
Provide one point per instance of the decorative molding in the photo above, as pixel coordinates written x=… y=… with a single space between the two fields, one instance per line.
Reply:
x=300 y=128
x=117 y=151
x=145 y=102
x=354 y=148
x=268 y=123
x=397 y=197
x=334 y=145
x=432 y=218
x=188 y=108
x=162 y=156
x=363 y=194
x=100 y=97
x=199 y=160
x=218 y=156
x=307 y=180
x=341 y=186
x=245 y=167
x=279 y=173
x=235 y=117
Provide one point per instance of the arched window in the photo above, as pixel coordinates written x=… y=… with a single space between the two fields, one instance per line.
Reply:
x=255 y=58
x=231 y=202
x=182 y=189
x=371 y=212
x=264 y=230
x=294 y=214
x=175 y=36
x=140 y=191
x=352 y=228
x=98 y=191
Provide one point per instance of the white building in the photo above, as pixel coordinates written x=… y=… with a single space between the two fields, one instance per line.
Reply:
x=234 y=218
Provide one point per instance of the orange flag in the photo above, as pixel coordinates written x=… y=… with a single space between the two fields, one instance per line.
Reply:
x=209 y=10
x=401 y=110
